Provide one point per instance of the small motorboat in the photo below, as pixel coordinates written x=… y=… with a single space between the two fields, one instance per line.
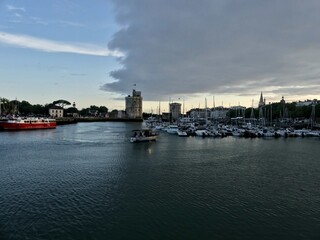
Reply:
x=143 y=135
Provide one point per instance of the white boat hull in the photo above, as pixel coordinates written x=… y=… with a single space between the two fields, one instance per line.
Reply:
x=182 y=134
x=143 y=139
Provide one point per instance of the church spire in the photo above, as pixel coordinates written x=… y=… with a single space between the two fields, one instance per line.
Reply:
x=262 y=101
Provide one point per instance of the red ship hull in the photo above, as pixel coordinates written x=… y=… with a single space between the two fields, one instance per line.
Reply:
x=13 y=125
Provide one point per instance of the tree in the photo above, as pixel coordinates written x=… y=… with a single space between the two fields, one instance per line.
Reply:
x=61 y=103
x=25 y=108
x=71 y=111
x=84 y=112
x=103 y=109
x=39 y=109
x=4 y=106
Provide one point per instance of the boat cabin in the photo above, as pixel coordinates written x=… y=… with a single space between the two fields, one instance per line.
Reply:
x=143 y=133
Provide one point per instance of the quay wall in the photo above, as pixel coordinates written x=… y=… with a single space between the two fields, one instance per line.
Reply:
x=65 y=120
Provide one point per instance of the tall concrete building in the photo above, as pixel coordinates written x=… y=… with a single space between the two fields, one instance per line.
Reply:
x=134 y=105
x=175 y=111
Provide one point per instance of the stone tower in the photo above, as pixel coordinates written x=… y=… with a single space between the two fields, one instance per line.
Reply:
x=134 y=105
x=175 y=111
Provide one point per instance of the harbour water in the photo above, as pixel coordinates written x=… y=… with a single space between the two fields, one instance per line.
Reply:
x=87 y=181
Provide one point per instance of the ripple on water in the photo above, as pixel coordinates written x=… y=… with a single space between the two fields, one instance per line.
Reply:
x=88 y=182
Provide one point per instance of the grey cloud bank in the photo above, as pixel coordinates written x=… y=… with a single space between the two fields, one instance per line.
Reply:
x=217 y=47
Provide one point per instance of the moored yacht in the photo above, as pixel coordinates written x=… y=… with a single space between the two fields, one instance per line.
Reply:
x=173 y=129
x=182 y=133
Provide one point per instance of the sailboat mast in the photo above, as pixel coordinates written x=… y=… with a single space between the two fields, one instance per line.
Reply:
x=252 y=113
x=206 y=111
x=313 y=114
x=271 y=114
x=183 y=107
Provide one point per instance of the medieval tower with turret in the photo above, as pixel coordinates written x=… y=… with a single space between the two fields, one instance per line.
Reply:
x=134 y=105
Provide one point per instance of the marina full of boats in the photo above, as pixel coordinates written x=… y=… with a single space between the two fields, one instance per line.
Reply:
x=221 y=130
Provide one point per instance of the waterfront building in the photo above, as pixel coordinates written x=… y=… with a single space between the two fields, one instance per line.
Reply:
x=239 y=110
x=175 y=111
x=306 y=102
x=56 y=111
x=113 y=114
x=134 y=105
x=196 y=113
x=218 y=113
x=121 y=114
x=93 y=112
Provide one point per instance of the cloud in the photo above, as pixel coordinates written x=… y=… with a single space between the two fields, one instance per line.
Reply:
x=45 y=45
x=38 y=20
x=216 y=46
x=68 y=23
x=17 y=15
x=13 y=8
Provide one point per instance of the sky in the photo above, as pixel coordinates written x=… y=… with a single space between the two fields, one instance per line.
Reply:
x=95 y=52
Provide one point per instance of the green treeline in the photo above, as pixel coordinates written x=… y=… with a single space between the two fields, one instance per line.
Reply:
x=24 y=108
x=278 y=110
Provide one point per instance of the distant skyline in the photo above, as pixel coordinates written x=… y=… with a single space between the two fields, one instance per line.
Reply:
x=95 y=52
